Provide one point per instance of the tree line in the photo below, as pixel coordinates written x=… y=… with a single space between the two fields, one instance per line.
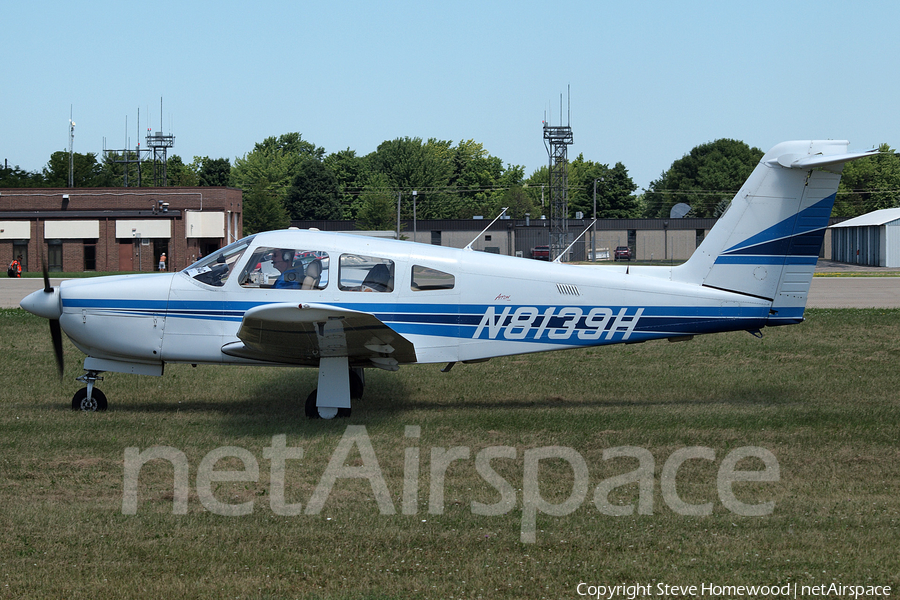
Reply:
x=288 y=178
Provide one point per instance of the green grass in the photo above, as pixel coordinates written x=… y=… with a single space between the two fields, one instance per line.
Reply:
x=821 y=396
x=858 y=274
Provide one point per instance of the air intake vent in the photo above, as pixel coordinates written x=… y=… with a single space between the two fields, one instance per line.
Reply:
x=567 y=290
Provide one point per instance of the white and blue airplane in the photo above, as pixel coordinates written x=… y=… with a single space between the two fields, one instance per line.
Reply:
x=344 y=303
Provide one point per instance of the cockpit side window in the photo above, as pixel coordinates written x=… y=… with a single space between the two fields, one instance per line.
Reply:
x=426 y=279
x=366 y=274
x=286 y=268
x=216 y=268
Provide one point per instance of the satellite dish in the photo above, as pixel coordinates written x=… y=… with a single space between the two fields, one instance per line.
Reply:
x=679 y=210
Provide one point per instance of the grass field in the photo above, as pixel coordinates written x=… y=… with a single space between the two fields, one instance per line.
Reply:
x=822 y=397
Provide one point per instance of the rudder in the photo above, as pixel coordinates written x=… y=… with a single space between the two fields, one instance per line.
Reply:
x=767 y=243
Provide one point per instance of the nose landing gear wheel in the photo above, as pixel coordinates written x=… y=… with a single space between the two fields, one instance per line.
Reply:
x=96 y=402
x=312 y=411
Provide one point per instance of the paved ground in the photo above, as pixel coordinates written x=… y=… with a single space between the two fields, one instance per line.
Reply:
x=825 y=292
x=12 y=290
x=854 y=292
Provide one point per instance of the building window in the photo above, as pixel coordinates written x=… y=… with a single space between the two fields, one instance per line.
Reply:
x=54 y=255
x=90 y=255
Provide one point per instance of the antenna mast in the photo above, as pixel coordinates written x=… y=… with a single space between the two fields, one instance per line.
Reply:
x=158 y=144
x=71 y=148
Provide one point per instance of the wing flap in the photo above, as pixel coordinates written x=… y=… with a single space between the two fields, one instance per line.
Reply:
x=304 y=333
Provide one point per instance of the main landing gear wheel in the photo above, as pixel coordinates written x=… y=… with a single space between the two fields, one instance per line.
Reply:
x=96 y=402
x=312 y=411
x=357 y=386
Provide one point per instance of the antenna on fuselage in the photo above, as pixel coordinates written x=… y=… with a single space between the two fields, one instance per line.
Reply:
x=566 y=251
x=469 y=245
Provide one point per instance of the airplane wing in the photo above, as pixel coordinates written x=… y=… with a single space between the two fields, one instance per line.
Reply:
x=303 y=333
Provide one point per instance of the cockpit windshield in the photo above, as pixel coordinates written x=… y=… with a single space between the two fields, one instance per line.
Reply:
x=217 y=267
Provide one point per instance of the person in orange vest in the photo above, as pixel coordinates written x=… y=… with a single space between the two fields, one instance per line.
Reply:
x=15 y=267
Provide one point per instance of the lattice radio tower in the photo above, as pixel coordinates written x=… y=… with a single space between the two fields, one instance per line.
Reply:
x=158 y=145
x=557 y=140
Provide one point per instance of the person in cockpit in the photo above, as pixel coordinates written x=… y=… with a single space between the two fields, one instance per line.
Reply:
x=291 y=276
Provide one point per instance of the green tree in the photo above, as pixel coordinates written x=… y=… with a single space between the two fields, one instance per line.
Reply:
x=351 y=172
x=476 y=177
x=263 y=210
x=180 y=174
x=377 y=206
x=706 y=179
x=14 y=177
x=112 y=171
x=86 y=170
x=519 y=203
x=409 y=164
x=274 y=161
x=869 y=184
x=313 y=194
x=214 y=171
x=537 y=188
x=615 y=190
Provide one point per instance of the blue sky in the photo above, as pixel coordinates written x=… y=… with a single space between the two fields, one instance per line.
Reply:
x=649 y=80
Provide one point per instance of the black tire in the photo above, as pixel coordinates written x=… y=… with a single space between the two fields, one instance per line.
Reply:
x=96 y=403
x=357 y=387
x=312 y=411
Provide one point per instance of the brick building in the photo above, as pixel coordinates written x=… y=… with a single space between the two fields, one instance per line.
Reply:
x=116 y=229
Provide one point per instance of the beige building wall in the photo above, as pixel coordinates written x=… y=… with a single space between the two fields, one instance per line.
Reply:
x=675 y=245
x=608 y=240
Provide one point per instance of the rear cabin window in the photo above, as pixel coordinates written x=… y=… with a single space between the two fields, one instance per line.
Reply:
x=366 y=274
x=426 y=279
x=287 y=269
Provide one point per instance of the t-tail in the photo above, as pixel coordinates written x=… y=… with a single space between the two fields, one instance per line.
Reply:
x=768 y=241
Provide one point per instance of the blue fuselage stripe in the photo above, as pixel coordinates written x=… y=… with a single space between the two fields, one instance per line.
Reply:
x=553 y=324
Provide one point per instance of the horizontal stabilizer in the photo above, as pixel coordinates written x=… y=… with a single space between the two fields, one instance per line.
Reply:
x=805 y=161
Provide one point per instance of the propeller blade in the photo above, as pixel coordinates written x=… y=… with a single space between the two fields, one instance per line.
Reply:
x=47 y=286
x=56 y=335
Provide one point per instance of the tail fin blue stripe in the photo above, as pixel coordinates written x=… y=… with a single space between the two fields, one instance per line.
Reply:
x=772 y=259
x=783 y=238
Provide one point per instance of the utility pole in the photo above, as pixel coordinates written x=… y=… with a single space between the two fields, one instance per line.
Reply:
x=399 y=195
x=71 y=148
x=415 y=228
x=594 y=227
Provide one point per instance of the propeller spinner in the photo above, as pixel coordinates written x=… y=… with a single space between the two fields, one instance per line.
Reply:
x=47 y=303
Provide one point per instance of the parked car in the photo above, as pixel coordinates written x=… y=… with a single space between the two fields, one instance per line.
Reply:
x=540 y=252
x=623 y=253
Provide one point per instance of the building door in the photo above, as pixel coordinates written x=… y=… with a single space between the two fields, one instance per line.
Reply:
x=55 y=256
x=21 y=249
x=126 y=255
x=90 y=256
x=159 y=247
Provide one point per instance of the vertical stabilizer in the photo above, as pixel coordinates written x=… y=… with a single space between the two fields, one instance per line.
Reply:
x=767 y=243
